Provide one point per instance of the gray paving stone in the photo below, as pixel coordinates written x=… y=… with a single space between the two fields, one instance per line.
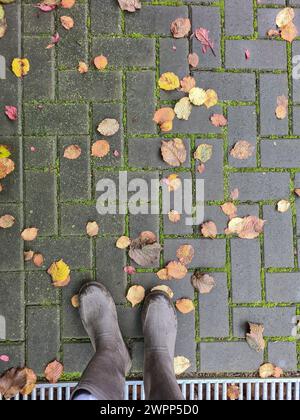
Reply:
x=213 y=175
x=91 y=86
x=208 y=253
x=214 y=309
x=296 y=119
x=37 y=22
x=130 y=321
x=283 y=355
x=198 y=123
x=42 y=333
x=39 y=290
x=283 y=287
x=105 y=16
x=278 y=322
x=12 y=184
x=260 y=185
x=137 y=354
x=77 y=356
x=245 y=270
x=270 y=2
x=266 y=20
x=228 y=357
x=185 y=343
x=143 y=222
x=296 y=73
x=265 y=55
x=16 y=355
x=11 y=254
x=54 y=119
x=12 y=305
x=216 y=215
x=40 y=204
x=280 y=153
x=272 y=86
x=153 y=19
x=245 y=131
x=229 y=86
x=140 y=85
x=239 y=17
x=39 y=152
x=278 y=238
x=209 y=18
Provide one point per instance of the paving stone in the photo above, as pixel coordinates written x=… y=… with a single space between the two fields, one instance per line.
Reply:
x=143 y=222
x=11 y=255
x=248 y=210
x=77 y=356
x=12 y=184
x=216 y=215
x=209 y=18
x=260 y=185
x=140 y=85
x=137 y=354
x=229 y=86
x=179 y=228
x=266 y=20
x=283 y=355
x=39 y=84
x=228 y=357
x=16 y=355
x=296 y=119
x=73 y=46
x=208 y=253
x=130 y=321
x=39 y=152
x=239 y=17
x=198 y=123
x=278 y=322
x=12 y=305
x=40 y=204
x=92 y=86
x=185 y=343
x=280 y=153
x=214 y=309
x=213 y=175
x=278 y=238
x=265 y=55
x=126 y=52
x=296 y=71
x=112 y=276
x=145 y=152
x=153 y=19
x=245 y=270
x=75 y=180
x=105 y=15
x=272 y=86
x=283 y=287
x=54 y=119
x=37 y=22
x=42 y=333
x=39 y=289
x=245 y=131
x=279 y=2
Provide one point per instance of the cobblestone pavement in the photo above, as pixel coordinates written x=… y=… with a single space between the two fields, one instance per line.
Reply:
x=257 y=280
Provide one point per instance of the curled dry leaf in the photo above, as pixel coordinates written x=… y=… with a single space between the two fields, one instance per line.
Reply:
x=283 y=206
x=135 y=295
x=28 y=255
x=211 y=98
x=193 y=60
x=100 y=148
x=38 y=260
x=165 y=289
x=249 y=227
x=278 y=372
x=108 y=127
x=285 y=16
x=169 y=81
x=174 y=216
x=282 y=107
x=67 y=4
x=83 y=67
x=148 y=237
x=7 y=221
x=11 y=112
x=204 y=152
x=218 y=120
x=242 y=150
x=229 y=209
x=101 y=62
x=12 y=382
x=144 y=250
x=266 y=371
x=164 y=118
x=197 y=96
x=255 y=338
x=31 y=379
x=176 y=270
x=130 y=5
x=123 y=242
x=185 y=254
x=60 y=273
x=181 y=364
x=273 y=33
x=185 y=306
x=209 y=230
x=204 y=283
x=202 y=35
x=6 y=167
x=183 y=109
x=53 y=372
x=233 y=392
x=29 y=234
x=174 y=152
x=289 y=32
x=163 y=274
x=181 y=27
x=67 y=22
x=173 y=182
x=20 y=66
x=187 y=83
x=75 y=301
x=72 y=152
x=92 y=229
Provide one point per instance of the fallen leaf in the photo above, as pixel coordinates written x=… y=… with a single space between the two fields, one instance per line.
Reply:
x=266 y=371
x=100 y=148
x=289 y=32
x=130 y=5
x=60 y=273
x=123 y=242
x=201 y=168
x=101 y=62
x=285 y=16
x=135 y=295
x=75 y=301
x=211 y=98
x=12 y=382
x=31 y=379
x=163 y=274
x=181 y=27
x=67 y=22
x=54 y=40
x=218 y=120
x=176 y=270
x=4 y=151
x=297 y=191
x=173 y=182
x=144 y=251
x=183 y=109
x=229 y=209
x=46 y=7
x=255 y=338
x=3 y=22
x=28 y=255
x=6 y=167
x=185 y=254
x=20 y=66
x=53 y=371
x=209 y=230
x=174 y=152
x=282 y=107
x=187 y=83
x=273 y=33
x=242 y=150
x=202 y=35
x=169 y=81
x=249 y=227
x=83 y=67
x=174 y=216
x=165 y=289
x=108 y=127
x=204 y=283
x=185 y=306
x=193 y=60
x=129 y=270
x=204 y=152
x=67 y=4
x=148 y=237
x=4 y=358
x=234 y=195
x=164 y=118
x=29 y=234
x=92 y=229
x=283 y=206
x=72 y=152
x=233 y=392
x=38 y=260
x=11 y=112
x=278 y=372
x=7 y=221
x=181 y=364
x=247 y=54
x=197 y=96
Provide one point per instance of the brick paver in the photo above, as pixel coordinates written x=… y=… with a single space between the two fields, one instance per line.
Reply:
x=256 y=281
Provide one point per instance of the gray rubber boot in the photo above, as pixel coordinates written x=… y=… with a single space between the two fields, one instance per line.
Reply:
x=160 y=331
x=104 y=377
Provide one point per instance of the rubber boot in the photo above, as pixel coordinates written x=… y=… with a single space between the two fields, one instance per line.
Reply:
x=104 y=377
x=160 y=330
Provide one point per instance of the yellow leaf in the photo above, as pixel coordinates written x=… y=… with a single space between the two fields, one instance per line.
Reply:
x=135 y=295
x=181 y=364
x=20 y=66
x=169 y=81
x=284 y=17
x=211 y=98
x=197 y=96
x=59 y=272
x=4 y=152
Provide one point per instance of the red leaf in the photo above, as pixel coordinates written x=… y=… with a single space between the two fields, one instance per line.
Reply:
x=247 y=54
x=202 y=35
x=11 y=112
x=45 y=7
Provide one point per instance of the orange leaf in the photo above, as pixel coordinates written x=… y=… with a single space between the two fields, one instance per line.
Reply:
x=209 y=230
x=67 y=22
x=185 y=254
x=29 y=234
x=72 y=152
x=101 y=62
x=100 y=148
x=92 y=229
x=67 y=4
x=185 y=306
x=176 y=270
x=53 y=371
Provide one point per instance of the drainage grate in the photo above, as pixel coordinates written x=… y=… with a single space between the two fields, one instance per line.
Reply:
x=193 y=389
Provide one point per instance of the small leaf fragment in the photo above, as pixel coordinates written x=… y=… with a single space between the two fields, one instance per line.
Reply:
x=181 y=364
x=204 y=283
x=67 y=22
x=29 y=234
x=123 y=242
x=135 y=295
x=229 y=209
x=193 y=60
x=92 y=229
x=83 y=67
x=283 y=206
x=209 y=230
x=75 y=301
x=53 y=371
x=11 y=112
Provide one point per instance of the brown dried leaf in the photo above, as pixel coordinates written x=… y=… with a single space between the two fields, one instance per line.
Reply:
x=187 y=83
x=164 y=118
x=130 y=5
x=135 y=295
x=75 y=301
x=181 y=27
x=6 y=167
x=92 y=229
x=29 y=234
x=242 y=150
x=229 y=209
x=209 y=230
x=123 y=242
x=38 y=260
x=144 y=253
x=185 y=254
x=181 y=364
x=83 y=67
x=255 y=338
x=163 y=274
x=174 y=152
x=252 y=227
x=174 y=216
x=72 y=152
x=108 y=127
x=185 y=306
x=7 y=221
x=53 y=371
x=218 y=120
x=266 y=371
x=297 y=191
x=176 y=270
x=100 y=148
x=289 y=32
x=12 y=382
x=28 y=255
x=67 y=22
x=233 y=392
x=282 y=107
x=204 y=283
x=193 y=60
x=165 y=289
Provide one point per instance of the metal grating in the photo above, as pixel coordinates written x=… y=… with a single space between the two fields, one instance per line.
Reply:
x=287 y=389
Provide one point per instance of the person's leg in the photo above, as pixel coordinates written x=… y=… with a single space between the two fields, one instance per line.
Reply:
x=160 y=330
x=104 y=377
